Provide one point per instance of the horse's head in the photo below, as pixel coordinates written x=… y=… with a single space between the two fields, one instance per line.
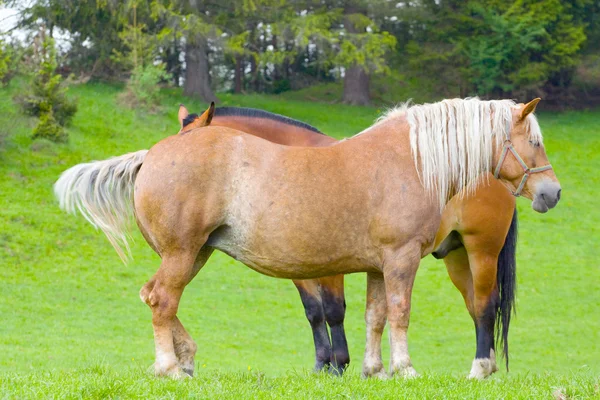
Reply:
x=521 y=163
x=191 y=121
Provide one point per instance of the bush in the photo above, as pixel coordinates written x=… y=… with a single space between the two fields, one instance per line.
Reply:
x=48 y=128
x=47 y=97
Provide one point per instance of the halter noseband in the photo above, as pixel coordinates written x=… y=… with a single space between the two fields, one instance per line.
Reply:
x=528 y=171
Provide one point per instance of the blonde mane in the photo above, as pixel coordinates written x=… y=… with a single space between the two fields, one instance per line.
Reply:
x=452 y=141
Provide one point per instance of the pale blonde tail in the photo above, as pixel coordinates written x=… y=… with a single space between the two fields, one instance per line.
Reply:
x=102 y=191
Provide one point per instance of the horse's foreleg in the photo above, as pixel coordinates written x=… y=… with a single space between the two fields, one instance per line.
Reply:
x=399 y=274
x=485 y=298
x=185 y=347
x=334 y=305
x=375 y=317
x=162 y=293
x=313 y=308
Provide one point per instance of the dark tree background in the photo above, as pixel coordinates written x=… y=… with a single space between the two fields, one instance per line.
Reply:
x=491 y=48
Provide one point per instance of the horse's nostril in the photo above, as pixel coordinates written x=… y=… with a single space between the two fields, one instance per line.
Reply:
x=558 y=195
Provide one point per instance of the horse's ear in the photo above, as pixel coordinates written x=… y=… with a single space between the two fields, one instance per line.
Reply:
x=206 y=117
x=183 y=112
x=529 y=108
x=199 y=122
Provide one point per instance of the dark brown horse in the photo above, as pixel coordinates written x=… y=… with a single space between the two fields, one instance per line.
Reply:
x=371 y=204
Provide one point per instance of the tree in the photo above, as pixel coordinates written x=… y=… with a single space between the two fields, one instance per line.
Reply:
x=494 y=48
x=362 y=52
x=190 y=21
x=47 y=98
x=93 y=26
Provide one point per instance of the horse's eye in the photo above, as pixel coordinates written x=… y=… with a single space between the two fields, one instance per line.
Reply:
x=534 y=144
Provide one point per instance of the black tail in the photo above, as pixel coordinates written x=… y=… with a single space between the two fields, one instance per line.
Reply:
x=507 y=286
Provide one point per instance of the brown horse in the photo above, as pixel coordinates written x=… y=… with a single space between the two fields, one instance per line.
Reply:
x=473 y=228
x=371 y=204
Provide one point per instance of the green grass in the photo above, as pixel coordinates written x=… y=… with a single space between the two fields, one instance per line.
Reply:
x=73 y=325
x=102 y=382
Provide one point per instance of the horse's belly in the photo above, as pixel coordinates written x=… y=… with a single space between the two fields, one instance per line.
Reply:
x=285 y=261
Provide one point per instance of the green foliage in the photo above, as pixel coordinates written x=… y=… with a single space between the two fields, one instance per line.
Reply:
x=143 y=86
x=499 y=62
x=5 y=59
x=48 y=128
x=491 y=48
x=367 y=50
x=47 y=97
x=495 y=48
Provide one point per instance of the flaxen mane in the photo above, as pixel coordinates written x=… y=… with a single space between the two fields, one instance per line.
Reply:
x=452 y=141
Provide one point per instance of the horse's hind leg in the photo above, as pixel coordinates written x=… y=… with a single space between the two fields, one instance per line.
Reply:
x=162 y=293
x=185 y=347
x=474 y=275
x=334 y=305
x=313 y=307
x=485 y=302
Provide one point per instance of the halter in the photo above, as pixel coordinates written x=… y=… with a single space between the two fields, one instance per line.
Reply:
x=528 y=171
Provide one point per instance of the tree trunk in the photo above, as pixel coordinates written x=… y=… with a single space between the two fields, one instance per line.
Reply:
x=174 y=66
x=197 y=78
x=237 y=87
x=254 y=73
x=356 y=86
x=356 y=79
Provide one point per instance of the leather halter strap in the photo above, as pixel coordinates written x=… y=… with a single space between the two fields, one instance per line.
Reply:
x=508 y=147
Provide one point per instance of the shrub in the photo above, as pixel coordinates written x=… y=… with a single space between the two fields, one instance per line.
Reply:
x=47 y=97
x=48 y=128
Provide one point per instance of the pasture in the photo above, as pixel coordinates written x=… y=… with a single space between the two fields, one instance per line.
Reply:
x=73 y=324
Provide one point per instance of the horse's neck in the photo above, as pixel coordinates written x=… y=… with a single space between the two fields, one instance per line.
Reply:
x=274 y=131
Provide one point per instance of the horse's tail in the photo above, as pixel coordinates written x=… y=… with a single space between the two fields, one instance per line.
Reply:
x=102 y=191
x=507 y=285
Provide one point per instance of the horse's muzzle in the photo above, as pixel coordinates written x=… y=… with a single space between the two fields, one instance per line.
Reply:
x=546 y=197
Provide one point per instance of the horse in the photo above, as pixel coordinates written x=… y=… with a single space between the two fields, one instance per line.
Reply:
x=323 y=298
x=371 y=203
x=481 y=227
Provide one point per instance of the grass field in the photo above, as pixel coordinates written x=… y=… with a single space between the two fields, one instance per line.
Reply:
x=73 y=325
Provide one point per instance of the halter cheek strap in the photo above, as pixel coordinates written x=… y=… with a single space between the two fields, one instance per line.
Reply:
x=508 y=147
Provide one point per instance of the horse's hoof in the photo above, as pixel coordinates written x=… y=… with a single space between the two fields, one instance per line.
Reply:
x=335 y=371
x=321 y=366
x=377 y=373
x=482 y=368
x=406 y=372
x=173 y=372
